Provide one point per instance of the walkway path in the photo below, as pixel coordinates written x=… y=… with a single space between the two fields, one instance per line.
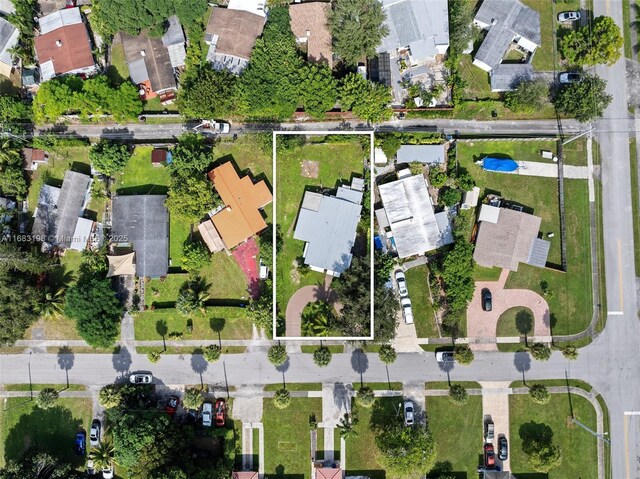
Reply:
x=482 y=325
x=302 y=297
x=495 y=407
x=336 y=401
x=550 y=170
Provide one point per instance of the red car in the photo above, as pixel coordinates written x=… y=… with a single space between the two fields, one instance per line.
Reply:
x=489 y=456
x=172 y=405
x=220 y=413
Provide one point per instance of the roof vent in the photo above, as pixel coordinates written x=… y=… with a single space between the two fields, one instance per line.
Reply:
x=143 y=53
x=308 y=33
x=228 y=208
x=58 y=43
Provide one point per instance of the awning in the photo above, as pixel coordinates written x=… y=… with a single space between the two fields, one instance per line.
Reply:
x=121 y=265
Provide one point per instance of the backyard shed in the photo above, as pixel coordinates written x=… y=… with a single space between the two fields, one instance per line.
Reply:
x=427 y=154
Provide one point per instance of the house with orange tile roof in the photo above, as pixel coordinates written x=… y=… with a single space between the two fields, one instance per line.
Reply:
x=240 y=216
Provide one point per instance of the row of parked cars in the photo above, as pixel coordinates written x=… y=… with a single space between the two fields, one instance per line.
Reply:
x=80 y=446
x=405 y=302
x=489 y=448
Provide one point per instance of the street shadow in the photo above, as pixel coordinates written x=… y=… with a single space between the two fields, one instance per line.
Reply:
x=199 y=364
x=522 y=362
x=121 y=361
x=359 y=363
x=162 y=330
x=66 y=360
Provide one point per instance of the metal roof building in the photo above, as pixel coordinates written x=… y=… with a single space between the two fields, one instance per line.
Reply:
x=8 y=40
x=410 y=215
x=328 y=225
x=427 y=154
x=420 y=25
x=143 y=222
x=507 y=76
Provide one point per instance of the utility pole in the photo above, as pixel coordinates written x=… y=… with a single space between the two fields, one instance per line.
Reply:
x=603 y=437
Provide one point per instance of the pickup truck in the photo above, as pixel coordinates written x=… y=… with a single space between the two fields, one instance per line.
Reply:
x=489 y=431
x=212 y=127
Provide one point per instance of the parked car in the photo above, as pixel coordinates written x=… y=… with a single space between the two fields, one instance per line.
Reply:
x=489 y=457
x=568 y=16
x=486 y=300
x=94 y=433
x=172 y=405
x=489 y=431
x=408 y=413
x=80 y=444
x=401 y=280
x=207 y=412
x=406 y=310
x=221 y=413
x=503 y=448
x=107 y=473
x=444 y=356
x=263 y=270
x=141 y=378
x=91 y=470
x=569 y=77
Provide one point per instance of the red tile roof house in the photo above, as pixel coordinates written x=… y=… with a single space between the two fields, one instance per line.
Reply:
x=63 y=46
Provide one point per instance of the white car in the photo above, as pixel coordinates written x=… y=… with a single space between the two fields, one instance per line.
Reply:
x=141 y=378
x=444 y=357
x=207 y=414
x=107 y=473
x=408 y=413
x=406 y=310
x=569 y=77
x=568 y=16
x=94 y=433
x=401 y=280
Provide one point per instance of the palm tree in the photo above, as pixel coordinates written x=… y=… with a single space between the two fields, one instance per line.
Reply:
x=346 y=427
x=53 y=303
x=102 y=455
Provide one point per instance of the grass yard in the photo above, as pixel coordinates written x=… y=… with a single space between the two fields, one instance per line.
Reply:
x=287 y=440
x=480 y=273
x=579 y=456
x=570 y=304
x=230 y=322
x=248 y=155
x=464 y=447
x=117 y=71
x=477 y=79
x=423 y=311
x=140 y=177
x=51 y=430
x=515 y=322
x=337 y=163
x=163 y=293
x=575 y=153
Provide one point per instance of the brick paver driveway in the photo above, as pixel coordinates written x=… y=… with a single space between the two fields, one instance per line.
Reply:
x=302 y=297
x=482 y=325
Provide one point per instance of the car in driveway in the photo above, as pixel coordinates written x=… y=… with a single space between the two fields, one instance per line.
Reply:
x=503 y=448
x=221 y=413
x=172 y=405
x=489 y=456
x=444 y=356
x=94 y=433
x=401 y=281
x=568 y=16
x=407 y=312
x=141 y=378
x=207 y=414
x=80 y=443
x=569 y=77
x=486 y=300
x=408 y=412
x=91 y=469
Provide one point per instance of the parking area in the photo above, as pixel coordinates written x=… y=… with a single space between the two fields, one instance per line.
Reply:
x=495 y=408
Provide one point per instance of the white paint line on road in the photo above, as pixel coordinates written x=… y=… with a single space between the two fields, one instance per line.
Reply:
x=632 y=413
x=615 y=313
x=626 y=445
x=620 y=274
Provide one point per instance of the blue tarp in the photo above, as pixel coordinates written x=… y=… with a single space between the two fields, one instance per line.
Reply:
x=378 y=242
x=499 y=164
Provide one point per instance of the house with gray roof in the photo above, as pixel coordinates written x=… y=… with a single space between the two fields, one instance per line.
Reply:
x=328 y=226
x=142 y=222
x=422 y=26
x=60 y=209
x=508 y=23
x=427 y=154
x=8 y=40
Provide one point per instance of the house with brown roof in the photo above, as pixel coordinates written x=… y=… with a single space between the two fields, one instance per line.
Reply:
x=328 y=472
x=240 y=217
x=231 y=35
x=152 y=62
x=63 y=46
x=34 y=157
x=309 y=24
x=507 y=237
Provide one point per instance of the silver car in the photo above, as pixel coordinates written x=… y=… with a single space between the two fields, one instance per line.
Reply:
x=207 y=414
x=568 y=16
x=408 y=413
x=94 y=433
x=401 y=280
x=141 y=378
x=406 y=310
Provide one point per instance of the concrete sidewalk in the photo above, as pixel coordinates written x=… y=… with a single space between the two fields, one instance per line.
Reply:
x=550 y=170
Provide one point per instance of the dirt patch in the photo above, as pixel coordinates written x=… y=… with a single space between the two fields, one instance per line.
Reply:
x=295 y=274
x=310 y=169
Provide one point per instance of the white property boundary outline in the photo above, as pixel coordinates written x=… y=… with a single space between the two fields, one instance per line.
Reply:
x=370 y=133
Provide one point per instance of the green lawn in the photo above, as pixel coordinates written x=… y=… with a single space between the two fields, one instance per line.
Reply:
x=51 y=430
x=571 y=302
x=39 y=387
x=334 y=348
x=480 y=273
x=287 y=442
x=337 y=161
x=515 y=322
x=575 y=153
x=423 y=311
x=231 y=322
x=457 y=430
x=579 y=456
x=163 y=293
x=117 y=70
x=477 y=79
x=140 y=177
x=248 y=155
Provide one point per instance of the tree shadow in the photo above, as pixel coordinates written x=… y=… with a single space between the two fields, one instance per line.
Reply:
x=283 y=368
x=522 y=362
x=66 y=360
x=385 y=414
x=524 y=323
x=341 y=397
x=359 y=363
x=217 y=325
x=121 y=360
x=162 y=330
x=447 y=367
x=199 y=364
x=535 y=432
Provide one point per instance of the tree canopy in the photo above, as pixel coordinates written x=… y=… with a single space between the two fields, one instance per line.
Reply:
x=357 y=28
x=109 y=157
x=207 y=93
x=585 y=99
x=318 y=89
x=406 y=452
x=597 y=42
x=12 y=179
x=529 y=96
x=368 y=101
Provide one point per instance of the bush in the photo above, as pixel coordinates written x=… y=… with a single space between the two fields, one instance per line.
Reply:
x=450 y=197
x=195 y=256
x=212 y=353
x=437 y=177
x=539 y=394
x=282 y=399
x=387 y=354
x=529 y=96
x=458 y=394
x=277 y=355
x=463 y=354
x=570 y=352
x=322 y=356
x=365 y=397
x=47 y=398
x=192 y=398
x=416 y=168
x=110 y=396
x=540 y=352
x=153 y=357
x=109 y=157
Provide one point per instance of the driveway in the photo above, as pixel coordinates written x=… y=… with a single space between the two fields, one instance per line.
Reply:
x=302 y=297
x=495 y=407
x=482 y=325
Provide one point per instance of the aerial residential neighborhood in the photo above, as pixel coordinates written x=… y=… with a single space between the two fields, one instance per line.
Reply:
x=319 y=239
